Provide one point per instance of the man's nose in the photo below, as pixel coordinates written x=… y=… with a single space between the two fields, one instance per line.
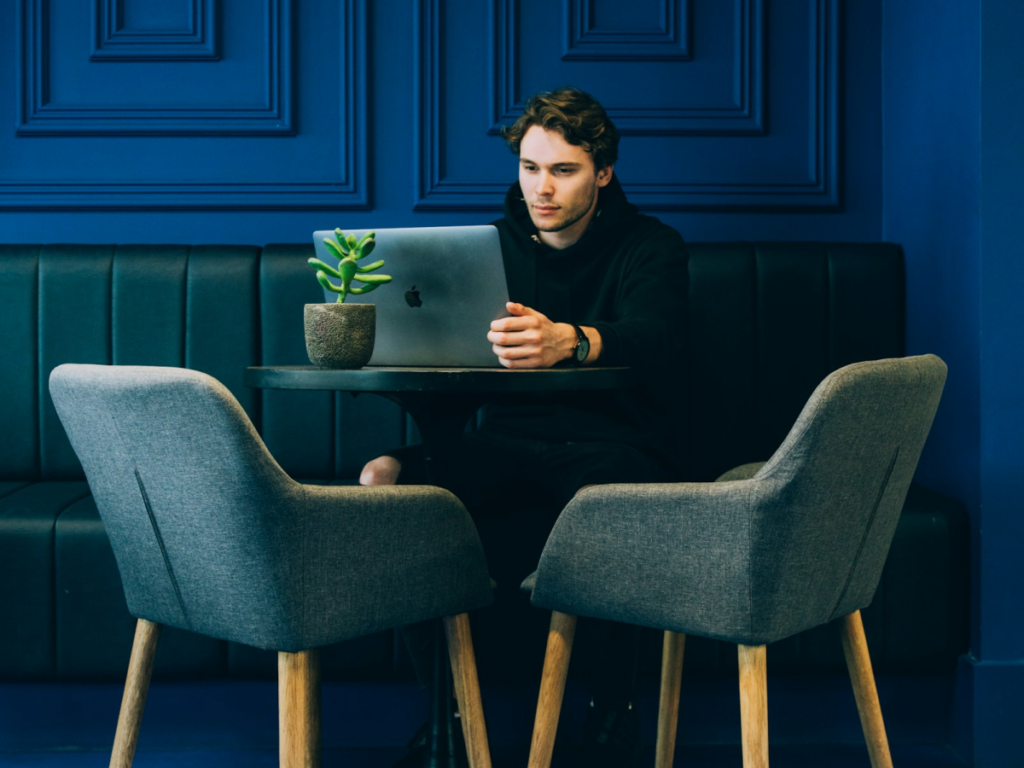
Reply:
x=544 y=186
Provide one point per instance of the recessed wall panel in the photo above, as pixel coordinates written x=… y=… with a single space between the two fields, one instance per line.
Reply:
x=173 y=133
x=701 y=133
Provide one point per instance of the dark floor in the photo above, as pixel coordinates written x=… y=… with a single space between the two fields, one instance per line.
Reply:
x=812 y=721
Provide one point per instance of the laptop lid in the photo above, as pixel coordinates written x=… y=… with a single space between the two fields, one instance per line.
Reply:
x=448 y=285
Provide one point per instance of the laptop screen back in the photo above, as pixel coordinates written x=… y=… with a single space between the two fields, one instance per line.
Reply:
x=448 y=285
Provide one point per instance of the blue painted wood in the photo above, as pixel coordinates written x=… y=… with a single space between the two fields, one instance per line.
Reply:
x=127 y=94
x=608 y=31
x=185 y=31
x=794 y=167
x=173 y=117
x=723 y=100
x=281 y=120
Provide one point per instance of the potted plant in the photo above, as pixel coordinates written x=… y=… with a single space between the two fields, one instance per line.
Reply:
x=341 y=335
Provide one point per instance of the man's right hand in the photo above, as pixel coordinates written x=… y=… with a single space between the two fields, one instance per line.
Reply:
x=528 y=339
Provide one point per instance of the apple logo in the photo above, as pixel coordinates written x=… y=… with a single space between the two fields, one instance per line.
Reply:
x=412 y=298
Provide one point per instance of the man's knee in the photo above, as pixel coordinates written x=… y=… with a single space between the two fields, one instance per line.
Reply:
x=383 y=470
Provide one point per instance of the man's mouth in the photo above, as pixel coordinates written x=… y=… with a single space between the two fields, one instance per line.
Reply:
x=544 y=210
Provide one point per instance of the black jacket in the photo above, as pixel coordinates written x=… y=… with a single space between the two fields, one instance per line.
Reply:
x=627 y=278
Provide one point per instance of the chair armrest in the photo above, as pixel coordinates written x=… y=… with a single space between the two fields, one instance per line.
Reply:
x=386 y=556
x=673 y=556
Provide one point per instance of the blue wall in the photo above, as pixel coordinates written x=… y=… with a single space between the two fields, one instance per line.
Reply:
x=258 y=121
x=953 y=185
x=261 y=120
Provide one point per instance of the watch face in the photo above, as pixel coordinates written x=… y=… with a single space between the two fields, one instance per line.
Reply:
x=582 y=350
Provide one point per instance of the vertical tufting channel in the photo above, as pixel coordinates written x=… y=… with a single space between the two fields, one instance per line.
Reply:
x=222 y=317
x=74 y=327
x=866 y=302
x=298 y=427
x=792 y=331
x=149 y=304
x=721 y=354
x=19 y=351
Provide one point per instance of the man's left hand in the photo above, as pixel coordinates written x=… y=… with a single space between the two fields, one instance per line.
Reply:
x=529 y=339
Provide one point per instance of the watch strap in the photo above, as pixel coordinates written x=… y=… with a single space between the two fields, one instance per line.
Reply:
x=581 y=339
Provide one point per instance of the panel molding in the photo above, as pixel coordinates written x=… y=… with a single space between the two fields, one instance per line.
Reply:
x=38 y=116
x=112 y=41
x=673 y=41
x=349 y=191
x=821 y=191
x=745 y=116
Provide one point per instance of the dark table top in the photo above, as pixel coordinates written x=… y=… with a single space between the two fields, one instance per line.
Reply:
x=395 y=379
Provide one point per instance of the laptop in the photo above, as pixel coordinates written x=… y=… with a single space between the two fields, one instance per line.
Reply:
x=448 y=285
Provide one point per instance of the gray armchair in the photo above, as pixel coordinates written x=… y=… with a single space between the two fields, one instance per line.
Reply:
x=212 y=536
x=766 y=552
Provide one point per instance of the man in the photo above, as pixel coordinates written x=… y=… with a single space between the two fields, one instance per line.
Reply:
x=592 y=281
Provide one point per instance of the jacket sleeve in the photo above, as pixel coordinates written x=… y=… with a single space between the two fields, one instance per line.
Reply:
x=650 y=303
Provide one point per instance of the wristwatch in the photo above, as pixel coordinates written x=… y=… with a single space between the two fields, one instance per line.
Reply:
x=582 y=348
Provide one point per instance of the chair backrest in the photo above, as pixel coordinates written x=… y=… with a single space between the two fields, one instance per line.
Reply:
x=186 y=489
x=831 y=495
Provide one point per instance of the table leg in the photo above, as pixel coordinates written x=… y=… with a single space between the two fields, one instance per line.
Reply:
x=441 y=744
x=441 y=419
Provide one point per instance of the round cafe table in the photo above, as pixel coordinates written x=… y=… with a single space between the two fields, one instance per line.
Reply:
x=441 y=401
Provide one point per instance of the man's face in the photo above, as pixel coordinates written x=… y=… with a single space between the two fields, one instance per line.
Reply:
x=559 y=184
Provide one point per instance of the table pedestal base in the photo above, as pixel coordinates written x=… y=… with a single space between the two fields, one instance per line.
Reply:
x=441 y=419
x=444 y=745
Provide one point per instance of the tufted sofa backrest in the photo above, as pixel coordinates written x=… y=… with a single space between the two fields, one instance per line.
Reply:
x=764 y=324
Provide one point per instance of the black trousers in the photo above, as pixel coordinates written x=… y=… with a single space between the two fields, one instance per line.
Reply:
x=510 y=481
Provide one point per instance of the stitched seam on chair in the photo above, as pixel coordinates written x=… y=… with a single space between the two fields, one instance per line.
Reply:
x=750 y=564
x=867 y=531
x=163 y=549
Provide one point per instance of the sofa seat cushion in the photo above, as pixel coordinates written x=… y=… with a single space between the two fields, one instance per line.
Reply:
x=94 y=629
x=28 y=518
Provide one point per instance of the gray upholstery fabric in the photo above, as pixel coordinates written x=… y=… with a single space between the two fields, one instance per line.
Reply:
x=770 y=550
x=212 y=536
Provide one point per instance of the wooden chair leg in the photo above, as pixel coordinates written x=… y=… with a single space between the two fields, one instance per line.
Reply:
x=552 y=687
x=855 y=648
x=668 y=709
x=298 y=695
x=754 y=705
x=467 y=690
x=133 y=700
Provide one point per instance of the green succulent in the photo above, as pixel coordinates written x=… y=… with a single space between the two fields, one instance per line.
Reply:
x=348 y=251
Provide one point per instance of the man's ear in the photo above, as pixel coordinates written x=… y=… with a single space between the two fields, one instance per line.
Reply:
x=605 y=175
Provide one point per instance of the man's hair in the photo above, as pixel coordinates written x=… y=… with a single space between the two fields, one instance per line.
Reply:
x=578 y=116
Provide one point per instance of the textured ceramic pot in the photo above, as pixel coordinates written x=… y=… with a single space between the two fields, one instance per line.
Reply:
x=340 y=335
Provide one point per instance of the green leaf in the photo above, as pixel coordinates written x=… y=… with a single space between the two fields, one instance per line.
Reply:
x=350 y=241
x=337 y=251
x=367 y=249
x=322 y=278
x=365 y=289
x=367 y=236
x=372 y=278
x=371 y=267
x=328 y=269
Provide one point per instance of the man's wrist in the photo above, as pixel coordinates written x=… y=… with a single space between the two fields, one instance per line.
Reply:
x=567 y=347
